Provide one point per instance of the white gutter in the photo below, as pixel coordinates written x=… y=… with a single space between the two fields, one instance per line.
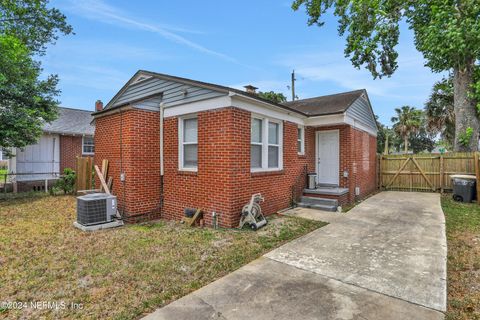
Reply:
x=269 y=105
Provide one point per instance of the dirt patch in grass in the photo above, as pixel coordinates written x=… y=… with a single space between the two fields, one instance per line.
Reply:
x=463 y=266
x=118 y=273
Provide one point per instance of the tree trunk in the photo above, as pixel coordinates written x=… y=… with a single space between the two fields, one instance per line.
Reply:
x=464 y=107
x=385 y=151
x=405 y=143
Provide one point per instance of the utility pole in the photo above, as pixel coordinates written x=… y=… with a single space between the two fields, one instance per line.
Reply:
x=293 y=85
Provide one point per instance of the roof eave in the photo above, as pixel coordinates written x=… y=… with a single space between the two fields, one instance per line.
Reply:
x=67 y=133
x=265 y=102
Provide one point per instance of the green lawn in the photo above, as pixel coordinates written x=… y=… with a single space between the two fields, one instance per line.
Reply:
x=118 y=273
x=463 y=237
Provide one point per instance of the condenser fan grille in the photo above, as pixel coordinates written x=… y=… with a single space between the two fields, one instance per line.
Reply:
x=91 y=212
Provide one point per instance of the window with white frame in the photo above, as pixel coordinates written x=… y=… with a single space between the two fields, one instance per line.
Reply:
x=301 y=140
x=256 y=144
x=188 y=142
x=266 y=144
x=88 y=145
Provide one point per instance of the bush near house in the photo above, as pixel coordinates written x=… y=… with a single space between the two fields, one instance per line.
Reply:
x=66 y=182
x=3 y=172
x=463 y=266
x=118 y=273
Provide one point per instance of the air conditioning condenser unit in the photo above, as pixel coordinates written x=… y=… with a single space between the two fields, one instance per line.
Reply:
x=97 y=211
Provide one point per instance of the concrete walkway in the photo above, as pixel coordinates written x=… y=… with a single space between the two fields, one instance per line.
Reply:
x=385 y=259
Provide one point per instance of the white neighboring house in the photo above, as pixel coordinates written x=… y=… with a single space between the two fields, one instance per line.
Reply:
x=3 y=156
x=69 y=136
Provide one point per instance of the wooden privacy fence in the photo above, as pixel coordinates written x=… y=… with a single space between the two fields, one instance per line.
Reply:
x=425 y=172
x=84 y=173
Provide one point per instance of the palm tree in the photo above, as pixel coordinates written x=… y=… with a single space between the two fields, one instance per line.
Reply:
x=407 y=121
x=439 y=110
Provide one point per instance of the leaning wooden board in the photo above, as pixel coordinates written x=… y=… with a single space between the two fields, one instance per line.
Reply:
x=191 y=221
x=102 y=180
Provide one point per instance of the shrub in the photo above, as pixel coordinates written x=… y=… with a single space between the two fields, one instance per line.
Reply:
x=66 y=182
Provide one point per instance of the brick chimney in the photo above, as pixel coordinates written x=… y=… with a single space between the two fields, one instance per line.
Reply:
x=98 y=105
x=250 y=89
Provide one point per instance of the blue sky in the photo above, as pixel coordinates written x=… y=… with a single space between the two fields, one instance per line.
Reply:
x=232 y=43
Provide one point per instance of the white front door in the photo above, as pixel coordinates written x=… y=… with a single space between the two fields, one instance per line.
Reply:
x=328 y=157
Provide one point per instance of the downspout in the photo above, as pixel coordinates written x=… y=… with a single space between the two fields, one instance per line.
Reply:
x=161 y=107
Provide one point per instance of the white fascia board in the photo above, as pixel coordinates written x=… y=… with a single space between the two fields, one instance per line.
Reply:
x=327 y=120
x=233 y=100
x=266 y=109
x=360 y=125
x=197 y=106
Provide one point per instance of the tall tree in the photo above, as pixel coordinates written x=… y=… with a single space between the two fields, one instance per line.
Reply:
x=446 y=33
x=421 y=140
x=439 y=112
x=33 y=23
x=407 y=121
x=26 y=102
x=385 y=137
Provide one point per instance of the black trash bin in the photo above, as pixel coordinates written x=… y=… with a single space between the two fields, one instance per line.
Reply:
x=464 y=189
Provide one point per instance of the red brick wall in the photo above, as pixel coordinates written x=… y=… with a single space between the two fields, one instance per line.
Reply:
x=223 y=182
x=276 y=187
x=70 y=149
x=211 y=188
x=365 y=150
x=130 y=141
x=107 y=146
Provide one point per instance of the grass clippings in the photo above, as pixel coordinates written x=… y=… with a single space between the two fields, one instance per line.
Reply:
x=120 y=273
x=463 y=266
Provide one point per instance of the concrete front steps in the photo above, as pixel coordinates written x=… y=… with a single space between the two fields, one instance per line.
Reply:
x=325 y=198
x=318 y=203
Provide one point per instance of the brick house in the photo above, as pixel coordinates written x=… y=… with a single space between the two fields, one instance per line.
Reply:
x=67 y=137
x=175 y=143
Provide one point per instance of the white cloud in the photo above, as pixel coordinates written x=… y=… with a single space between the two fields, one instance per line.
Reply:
x=95 y=51
x=88 y=76
x=336 y=70
x=99 y=10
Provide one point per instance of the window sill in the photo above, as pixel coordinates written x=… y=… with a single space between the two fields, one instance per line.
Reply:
x=267 y=173
x=184 y=172
x=88 y=154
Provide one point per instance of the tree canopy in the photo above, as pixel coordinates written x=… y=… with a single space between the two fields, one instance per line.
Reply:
x=26 y=101
x=407 y=122
x=446 y=33
x=439 y=112
x=32 y=22
x=273 y=96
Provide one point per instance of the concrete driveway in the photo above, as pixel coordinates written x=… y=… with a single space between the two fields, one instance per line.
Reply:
x=385 y=259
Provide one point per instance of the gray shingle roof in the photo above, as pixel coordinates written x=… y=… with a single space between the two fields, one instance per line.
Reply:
x=323 y=105
x=71 y=121
x=317 y=106
x=202 y=84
